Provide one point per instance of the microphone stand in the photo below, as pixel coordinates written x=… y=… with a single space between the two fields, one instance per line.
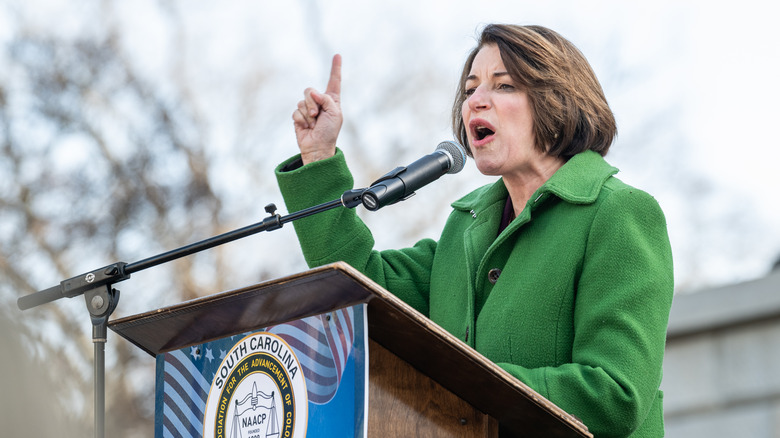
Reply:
x=101 y=298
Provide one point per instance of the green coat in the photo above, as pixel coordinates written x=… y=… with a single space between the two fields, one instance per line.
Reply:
x=580 y=307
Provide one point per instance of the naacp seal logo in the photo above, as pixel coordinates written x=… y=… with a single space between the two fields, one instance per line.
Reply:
x=259 y=391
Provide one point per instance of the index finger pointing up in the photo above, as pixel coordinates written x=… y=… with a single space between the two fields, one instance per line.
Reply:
x=334 y=83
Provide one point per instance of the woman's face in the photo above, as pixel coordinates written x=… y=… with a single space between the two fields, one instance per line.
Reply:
x=498 y=117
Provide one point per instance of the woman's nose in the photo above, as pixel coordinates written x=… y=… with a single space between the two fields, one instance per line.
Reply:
x=479 y=99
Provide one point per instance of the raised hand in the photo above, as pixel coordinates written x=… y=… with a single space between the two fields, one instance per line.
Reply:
x=318 y=118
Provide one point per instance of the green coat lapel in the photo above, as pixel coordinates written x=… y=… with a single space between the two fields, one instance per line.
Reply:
x=579 y=182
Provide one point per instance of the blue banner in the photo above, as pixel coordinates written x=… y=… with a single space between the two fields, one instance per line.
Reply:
x=305 y=378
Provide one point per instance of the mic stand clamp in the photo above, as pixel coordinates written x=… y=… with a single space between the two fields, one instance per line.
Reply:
x=101 y=303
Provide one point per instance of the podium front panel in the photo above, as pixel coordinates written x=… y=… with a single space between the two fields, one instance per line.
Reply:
x=304 y=378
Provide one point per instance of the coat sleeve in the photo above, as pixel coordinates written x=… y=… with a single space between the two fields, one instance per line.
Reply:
x=340 y=235
x=621 y=312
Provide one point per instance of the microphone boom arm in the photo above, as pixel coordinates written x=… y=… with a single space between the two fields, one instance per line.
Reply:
x=120 y=271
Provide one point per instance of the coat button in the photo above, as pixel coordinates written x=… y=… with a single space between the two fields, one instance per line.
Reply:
x=493 y=275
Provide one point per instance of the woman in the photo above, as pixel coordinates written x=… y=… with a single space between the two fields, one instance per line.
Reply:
x=558 y=272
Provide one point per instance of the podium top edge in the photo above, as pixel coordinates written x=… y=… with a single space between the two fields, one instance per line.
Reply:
x=202 y=319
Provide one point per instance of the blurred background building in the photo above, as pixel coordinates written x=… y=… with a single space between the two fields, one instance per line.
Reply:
x=722 y=360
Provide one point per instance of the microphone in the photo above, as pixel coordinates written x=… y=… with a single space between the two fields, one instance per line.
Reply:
x=401 y=183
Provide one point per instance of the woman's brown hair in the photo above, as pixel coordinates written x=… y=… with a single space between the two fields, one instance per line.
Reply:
x=571 y=114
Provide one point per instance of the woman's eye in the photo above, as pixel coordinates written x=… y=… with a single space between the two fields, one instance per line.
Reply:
x=506 y=87
x=469 y=91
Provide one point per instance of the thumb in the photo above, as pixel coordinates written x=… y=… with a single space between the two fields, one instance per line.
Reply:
x=325 y=101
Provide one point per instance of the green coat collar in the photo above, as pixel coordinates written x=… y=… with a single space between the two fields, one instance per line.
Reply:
x=579 y=181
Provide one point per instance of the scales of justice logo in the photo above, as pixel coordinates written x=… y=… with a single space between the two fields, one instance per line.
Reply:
x=258 y=391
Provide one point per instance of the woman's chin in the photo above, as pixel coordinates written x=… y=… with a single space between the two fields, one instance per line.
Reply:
x=488 y=168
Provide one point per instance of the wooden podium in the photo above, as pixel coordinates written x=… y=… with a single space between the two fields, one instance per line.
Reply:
x=423 y=382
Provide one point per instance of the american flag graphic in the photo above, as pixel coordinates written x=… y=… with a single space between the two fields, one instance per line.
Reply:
x=322 y=344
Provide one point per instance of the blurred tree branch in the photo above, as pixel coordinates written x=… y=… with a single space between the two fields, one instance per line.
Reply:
x=98 y=163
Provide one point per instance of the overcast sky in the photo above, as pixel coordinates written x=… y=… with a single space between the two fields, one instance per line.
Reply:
x=691 y=82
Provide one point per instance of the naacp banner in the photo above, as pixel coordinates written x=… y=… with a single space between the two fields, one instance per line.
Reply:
x=305 y=378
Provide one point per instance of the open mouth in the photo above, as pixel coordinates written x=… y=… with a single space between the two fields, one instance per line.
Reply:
x=481 y=132
x=481 y=129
